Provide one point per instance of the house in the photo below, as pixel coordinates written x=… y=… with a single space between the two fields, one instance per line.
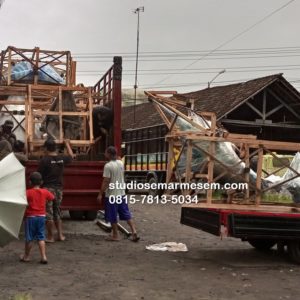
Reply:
x=268 y=107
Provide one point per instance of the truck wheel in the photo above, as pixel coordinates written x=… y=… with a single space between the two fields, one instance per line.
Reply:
x=76 y=214
x=154 y=192
x=294 y=250
x=90 y=215
x=262 y=245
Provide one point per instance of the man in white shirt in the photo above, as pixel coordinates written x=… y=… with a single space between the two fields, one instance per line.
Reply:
x=115 y=200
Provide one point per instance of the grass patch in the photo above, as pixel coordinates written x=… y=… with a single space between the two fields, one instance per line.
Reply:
x=277 y=198
x=22 y=296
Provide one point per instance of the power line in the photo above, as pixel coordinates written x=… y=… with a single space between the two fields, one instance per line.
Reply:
x=207 y=68
x=191 y=59
x=199 y=71
x=233 y=38
x=204 y=83
x=188 y=51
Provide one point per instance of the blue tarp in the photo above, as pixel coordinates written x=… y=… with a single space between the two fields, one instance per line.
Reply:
x=24 y=71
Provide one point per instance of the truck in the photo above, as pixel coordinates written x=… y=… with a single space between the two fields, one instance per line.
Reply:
x=243 y=214
x=43 y=99
x=145 y=155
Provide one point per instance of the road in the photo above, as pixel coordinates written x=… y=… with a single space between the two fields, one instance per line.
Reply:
x=87 y=267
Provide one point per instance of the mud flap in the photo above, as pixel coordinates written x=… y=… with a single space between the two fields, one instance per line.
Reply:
x=208 y=221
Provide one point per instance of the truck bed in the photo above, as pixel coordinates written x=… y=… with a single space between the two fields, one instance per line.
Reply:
x=244 y=221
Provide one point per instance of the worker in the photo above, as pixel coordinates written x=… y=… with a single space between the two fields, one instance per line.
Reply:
x=114 y=173
x=51 y=166
x=5 y=148
x=6 y=129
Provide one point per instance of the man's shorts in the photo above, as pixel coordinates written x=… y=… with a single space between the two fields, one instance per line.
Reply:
x=34 y=229
x=53 y=207
x=113 y=209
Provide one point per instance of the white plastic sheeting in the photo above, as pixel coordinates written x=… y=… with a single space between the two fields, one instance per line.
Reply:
x=13 y=200
x=168 y=246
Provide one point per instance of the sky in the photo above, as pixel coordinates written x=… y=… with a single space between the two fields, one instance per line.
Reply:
x=177 y=38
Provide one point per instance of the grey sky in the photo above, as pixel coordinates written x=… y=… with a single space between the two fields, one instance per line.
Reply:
x=109 y=26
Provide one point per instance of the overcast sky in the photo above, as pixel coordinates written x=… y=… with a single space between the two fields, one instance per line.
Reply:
x=176 y=31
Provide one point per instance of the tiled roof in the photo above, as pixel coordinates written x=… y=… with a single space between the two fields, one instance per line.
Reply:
x=220 y=100
x=145 y=115
x=223 y=99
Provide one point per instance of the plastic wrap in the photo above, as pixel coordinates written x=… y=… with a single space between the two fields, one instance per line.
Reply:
x=224 y=152
x=23 y=71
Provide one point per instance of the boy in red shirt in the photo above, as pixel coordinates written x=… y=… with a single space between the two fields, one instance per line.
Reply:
x=35 y=215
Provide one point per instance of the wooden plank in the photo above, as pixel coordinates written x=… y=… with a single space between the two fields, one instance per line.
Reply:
x=247 y=174
x=9 y=67
x=74 y=65
x=254 y=144
x=258 y=175
x=40 y=142
x=162 y=114
x=36 y=68
x=27 y=97
x=90 y=121
x=69 y=149
x=57 y=113
x=259 y=123
x=247 y=207
x=170 y=161
x=210 y=173
x=241 y=136
x=188 y=164
x=254 y=109
x=60 y=115
x=5 y=102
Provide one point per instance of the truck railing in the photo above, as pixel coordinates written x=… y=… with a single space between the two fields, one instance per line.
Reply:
x=146 y=148
x=108 y=92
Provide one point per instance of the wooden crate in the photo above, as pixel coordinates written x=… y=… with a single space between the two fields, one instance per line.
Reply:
x=60 y=61
x=186 y=141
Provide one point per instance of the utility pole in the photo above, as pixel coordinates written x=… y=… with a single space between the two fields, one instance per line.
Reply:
x=137 y=11
x=209 y=83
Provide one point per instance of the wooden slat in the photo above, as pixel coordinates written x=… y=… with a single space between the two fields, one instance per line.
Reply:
x=60 y=115
x=259 y=174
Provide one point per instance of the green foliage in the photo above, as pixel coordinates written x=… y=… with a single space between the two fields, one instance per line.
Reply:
x=277 y=198
x=25 y=296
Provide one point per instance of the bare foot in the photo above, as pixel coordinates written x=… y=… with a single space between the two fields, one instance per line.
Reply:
x=49 y=241
x=61 y=238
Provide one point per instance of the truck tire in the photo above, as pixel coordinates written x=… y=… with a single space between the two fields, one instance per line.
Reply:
x=90 y=215
x=153 y=192
x=76 y=214
x=294 y=251
x=262 y=245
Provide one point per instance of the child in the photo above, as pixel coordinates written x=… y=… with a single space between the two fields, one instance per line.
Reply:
x=35 y=217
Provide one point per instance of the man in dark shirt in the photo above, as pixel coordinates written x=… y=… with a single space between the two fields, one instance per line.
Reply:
x=51 y=167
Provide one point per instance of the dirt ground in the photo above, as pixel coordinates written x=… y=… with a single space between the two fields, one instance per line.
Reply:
x=87 y=267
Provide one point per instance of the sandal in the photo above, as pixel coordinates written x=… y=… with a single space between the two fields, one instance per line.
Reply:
x=43 y=261
x=135 y=238
x=23 y=260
